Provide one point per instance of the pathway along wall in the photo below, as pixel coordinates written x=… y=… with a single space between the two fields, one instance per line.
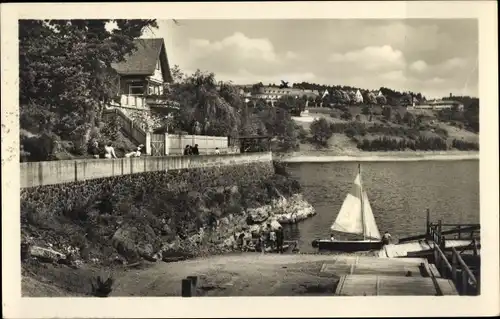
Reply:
x=133 y=215
x=57 y=172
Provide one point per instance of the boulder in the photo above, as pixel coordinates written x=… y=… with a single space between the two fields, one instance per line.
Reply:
x=257 y=215
x=135 y=240
x=46 y=254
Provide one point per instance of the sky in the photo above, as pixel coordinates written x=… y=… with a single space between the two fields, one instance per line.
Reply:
x=433 y=56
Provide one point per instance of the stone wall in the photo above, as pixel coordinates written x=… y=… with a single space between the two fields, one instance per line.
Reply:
x=135 y=214
x=56 y=172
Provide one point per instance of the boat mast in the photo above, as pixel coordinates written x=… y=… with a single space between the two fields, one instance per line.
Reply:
x=362 y=203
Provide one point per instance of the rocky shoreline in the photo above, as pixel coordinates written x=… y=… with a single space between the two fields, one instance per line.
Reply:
x=220 y=239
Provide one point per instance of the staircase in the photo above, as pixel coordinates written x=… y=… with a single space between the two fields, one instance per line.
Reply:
x=127 y=126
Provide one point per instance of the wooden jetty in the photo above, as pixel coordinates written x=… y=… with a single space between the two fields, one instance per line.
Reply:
x=379 y=285
x=452 y=253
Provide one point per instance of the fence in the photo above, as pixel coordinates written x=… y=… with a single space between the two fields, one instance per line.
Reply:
x=57 y=172
x=206 y=144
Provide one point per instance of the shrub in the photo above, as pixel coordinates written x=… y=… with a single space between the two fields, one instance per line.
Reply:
x=321 y=131
x=465 y=145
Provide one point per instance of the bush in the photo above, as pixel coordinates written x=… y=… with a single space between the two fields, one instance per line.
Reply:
x=321 y=131
x=393 y=144
x=465 y=145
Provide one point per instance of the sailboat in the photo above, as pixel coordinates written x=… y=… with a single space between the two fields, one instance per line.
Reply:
x=356 y=218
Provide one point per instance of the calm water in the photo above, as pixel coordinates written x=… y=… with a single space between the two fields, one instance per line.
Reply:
x=399 y=193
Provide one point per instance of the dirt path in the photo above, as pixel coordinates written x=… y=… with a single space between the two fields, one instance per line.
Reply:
x=245 y=274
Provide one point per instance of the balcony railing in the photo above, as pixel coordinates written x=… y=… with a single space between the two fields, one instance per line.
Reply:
x=134 y=101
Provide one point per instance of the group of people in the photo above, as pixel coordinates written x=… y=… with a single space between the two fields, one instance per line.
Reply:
x=191 y=150
x=109 y=151
x=272 y=238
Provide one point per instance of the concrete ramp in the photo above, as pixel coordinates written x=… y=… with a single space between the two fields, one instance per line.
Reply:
x=380 y=285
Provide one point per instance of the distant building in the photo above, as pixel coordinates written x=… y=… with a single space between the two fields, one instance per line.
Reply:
x=358 y=97
x=272 y=94
x=440 y=105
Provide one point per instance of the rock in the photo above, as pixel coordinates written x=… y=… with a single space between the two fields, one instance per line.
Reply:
x=224 y=221
x=233 y=189
x=275 y=225
x=257 y=215
x=46 y=254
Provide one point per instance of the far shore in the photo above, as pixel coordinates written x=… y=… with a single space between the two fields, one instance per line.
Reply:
x=394 y=156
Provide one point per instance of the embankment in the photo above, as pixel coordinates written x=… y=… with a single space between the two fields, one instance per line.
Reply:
x=155 y=215
x=302 y=157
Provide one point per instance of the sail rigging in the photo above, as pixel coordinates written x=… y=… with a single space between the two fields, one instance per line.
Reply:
x=356 y=215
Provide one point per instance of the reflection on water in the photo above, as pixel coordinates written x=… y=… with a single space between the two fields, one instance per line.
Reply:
x=399 y=193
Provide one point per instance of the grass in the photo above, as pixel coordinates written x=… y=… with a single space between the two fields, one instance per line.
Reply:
x=340 y=144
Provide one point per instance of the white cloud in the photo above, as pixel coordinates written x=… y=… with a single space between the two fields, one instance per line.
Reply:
x=418 y=66
x=371 y=58
x=237 y=45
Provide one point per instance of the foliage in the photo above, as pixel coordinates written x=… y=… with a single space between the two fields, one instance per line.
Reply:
x=321 y=131
x=465 y=145
x=396 y=144
x=387 y=113
x=65 y=73
x=381 y=100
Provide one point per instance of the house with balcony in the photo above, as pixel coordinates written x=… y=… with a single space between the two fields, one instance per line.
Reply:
x=143 y=77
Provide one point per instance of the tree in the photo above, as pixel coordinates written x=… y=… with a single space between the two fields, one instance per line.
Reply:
x=381 y=100
x=200 y=101
x=293 y=105
x=387 y=112
x=321 y=131
x=65 y=72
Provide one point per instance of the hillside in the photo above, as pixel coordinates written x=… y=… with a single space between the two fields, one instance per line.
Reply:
x=352 y=126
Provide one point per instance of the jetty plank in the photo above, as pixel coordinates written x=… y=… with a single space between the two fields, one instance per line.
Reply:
x=344 y=265
x=418 y=247
x=380 y=285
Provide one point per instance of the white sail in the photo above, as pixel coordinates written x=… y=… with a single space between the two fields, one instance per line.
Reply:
x=350 y=218
x=371 y=229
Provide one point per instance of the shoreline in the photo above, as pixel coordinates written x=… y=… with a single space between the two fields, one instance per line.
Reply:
x=330 y=156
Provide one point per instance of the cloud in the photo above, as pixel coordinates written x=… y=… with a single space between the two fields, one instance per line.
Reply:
x=418 y=66
x=372 y=58
x=237 y=52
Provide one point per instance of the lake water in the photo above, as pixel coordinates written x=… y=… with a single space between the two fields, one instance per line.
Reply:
x=399 y=193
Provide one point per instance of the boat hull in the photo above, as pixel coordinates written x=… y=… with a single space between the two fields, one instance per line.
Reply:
x=348 y=245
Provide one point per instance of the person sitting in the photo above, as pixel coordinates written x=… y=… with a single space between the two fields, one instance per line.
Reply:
x=217 y=152
x=109 y=151
x=332 y=238
x=195 y=150
x=136 y=153
x=386 y=238
x=94 y=149
x=187 y=150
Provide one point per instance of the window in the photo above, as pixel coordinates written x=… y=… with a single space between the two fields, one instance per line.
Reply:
x=136 y=90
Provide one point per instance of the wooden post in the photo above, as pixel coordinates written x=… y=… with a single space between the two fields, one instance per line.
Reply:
x=194 y=281
x=465 y=282
x=436 y=255
x=454 y=267
x=187 y=287
x=427 y=223
x=474 y=243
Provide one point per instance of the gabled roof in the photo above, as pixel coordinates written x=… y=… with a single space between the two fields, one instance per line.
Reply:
x=142 y=61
